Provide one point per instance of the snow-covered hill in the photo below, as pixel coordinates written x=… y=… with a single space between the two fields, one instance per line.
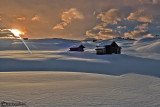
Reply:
x=54 y=44
x=50 y=54
x=80 y=79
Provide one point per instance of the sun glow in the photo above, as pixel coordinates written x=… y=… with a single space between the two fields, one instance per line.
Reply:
x=16 y=32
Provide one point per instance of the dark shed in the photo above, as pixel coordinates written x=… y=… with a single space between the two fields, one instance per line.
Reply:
x=109 y=49
x=113 y=48
x=80 y=48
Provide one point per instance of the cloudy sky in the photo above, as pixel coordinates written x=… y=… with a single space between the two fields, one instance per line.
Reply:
x=79 y=19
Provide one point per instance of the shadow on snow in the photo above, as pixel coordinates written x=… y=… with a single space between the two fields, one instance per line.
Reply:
x=119 y=65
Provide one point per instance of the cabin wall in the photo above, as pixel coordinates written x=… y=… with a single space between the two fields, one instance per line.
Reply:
x=101 y=52
x=111 y=50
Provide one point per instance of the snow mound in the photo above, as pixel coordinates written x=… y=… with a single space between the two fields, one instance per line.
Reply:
x=152 y=48
x=145 y=41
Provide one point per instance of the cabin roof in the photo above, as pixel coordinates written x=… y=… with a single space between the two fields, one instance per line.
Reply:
x=114 y=44
x=81 y=46
x=100 y=48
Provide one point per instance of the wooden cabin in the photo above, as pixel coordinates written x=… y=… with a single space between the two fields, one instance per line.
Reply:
x=109 y=49
x=80 y=48
x=113 y=48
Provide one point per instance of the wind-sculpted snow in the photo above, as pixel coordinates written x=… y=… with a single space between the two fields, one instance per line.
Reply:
x=151 y=48
x=80 y=79
x=53 y=54
x=77 y=62
x=65 y=89
x=143 y=48
x=49 y=44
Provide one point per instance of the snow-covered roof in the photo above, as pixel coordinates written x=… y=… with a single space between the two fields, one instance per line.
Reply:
x=98 y=48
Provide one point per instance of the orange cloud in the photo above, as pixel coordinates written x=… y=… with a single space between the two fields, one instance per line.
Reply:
x=106 y=33
x=102 y=26
x=112 y=16
x=67 y=17
x=121 y=27
x=0 y=18
x=91 y=34
x=36 y=18
x=21 y=19
x=140 y=16
x=136 y=33
x=60 y=25
x=143 y=26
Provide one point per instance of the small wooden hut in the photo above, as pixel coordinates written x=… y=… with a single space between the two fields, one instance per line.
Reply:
x=80 y=48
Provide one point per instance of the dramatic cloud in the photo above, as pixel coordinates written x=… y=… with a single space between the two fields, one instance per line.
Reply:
x=142 y=27
x=5 y=33
x=110 y=17
x=38 y=18
x=102 y=30
x=136 y=33
x=108 y=34
x=91 y=34
x=67 y=17
x=102 y=26
x=140 y=16
x=60 y=26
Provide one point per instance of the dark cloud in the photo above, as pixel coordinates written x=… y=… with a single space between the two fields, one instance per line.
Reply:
x=5 y=33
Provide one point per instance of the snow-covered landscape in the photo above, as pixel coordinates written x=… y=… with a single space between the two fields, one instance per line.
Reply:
x=53 y=76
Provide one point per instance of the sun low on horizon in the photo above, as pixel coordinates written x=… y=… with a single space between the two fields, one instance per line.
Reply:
x=17 y=32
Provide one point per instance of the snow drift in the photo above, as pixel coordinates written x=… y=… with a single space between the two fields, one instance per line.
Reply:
x=80 y=79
